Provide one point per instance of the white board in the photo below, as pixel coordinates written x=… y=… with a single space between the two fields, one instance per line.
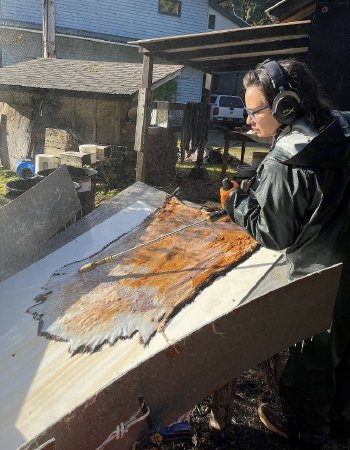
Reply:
x=40 y=382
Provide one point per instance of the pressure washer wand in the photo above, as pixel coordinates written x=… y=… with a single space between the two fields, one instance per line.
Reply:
x=90 y=266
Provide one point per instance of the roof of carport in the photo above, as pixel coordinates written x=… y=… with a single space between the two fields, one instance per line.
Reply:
x=234 y=49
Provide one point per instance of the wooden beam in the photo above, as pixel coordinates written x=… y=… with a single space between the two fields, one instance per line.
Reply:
x=242 y=63
x=49 y=445
x=301 y=14
x=49 y=29
x=291 y=10
x=223 y=36
x=252 y=48
x=143 y=121
x=233 y=43
x=257 y=53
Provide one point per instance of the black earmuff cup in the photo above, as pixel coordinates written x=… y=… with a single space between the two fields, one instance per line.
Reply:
x=285 y=107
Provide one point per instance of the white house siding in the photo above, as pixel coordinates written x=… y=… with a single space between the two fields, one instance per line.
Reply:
x=68 y=48
x=22 y=47
x=189 y=86
x=222 y=22
x=129 y=18
x=23 y=10
x=29 y=46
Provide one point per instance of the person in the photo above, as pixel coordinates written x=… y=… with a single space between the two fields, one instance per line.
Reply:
x=299 y=203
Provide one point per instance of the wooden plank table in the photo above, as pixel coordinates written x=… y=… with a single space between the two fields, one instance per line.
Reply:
x=233 y=324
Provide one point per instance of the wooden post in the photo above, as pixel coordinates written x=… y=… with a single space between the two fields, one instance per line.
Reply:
x=94 y=121
x=242 y=152
x=162 y=119
x=49 y=29
x=206 y=100
x=225 y=155
x=185 y=132
x=207 y=87
x=117 y=122
x=143 y=117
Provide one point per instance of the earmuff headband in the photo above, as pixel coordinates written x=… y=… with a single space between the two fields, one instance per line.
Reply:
x=286 y=101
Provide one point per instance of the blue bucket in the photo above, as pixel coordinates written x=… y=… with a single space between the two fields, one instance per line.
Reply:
x=25 y=168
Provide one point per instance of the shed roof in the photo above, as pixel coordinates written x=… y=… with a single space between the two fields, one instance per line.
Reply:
x=289 y=10
x=235 y=49
x=99 y=77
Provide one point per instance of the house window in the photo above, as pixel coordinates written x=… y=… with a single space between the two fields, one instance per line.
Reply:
x=211 y=22
x=171 y=7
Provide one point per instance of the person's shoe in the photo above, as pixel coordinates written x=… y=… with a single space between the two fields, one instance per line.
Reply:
x=276 y=421
x=273 y=419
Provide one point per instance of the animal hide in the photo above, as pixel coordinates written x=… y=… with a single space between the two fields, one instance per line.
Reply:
x=142 y=289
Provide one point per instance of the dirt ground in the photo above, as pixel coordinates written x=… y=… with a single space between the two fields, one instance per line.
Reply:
x=254 y=386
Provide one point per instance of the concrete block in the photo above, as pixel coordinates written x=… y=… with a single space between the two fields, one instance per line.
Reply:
x=76 y=159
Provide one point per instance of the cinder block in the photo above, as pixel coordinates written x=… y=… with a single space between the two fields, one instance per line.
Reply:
x=103 y=151
x=110 y=151
x=76 y=159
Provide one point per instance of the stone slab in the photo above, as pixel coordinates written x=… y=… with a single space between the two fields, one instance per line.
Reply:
x=28 y=221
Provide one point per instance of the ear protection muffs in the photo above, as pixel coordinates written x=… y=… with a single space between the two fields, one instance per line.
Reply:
x=286 y=103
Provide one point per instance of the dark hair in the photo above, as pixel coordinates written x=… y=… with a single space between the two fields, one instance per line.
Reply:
x=313 y=107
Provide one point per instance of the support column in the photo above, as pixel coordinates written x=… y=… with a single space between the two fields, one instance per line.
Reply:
x=206 y=101
x=144 y=109
x=207 y=87
x=49 y=29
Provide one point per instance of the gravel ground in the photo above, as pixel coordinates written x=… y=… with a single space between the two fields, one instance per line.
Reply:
x=246 y=431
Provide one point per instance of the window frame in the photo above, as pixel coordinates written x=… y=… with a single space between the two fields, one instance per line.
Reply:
x=210 y=18
x=167 y=13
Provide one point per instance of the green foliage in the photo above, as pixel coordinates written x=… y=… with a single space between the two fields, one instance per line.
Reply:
x=252 y=11
x=166 y=92
x=5 y=177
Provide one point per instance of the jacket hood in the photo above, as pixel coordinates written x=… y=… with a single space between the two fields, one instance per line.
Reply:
x=300 y=145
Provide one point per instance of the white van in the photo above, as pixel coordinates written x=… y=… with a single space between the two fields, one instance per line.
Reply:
x=226 y=109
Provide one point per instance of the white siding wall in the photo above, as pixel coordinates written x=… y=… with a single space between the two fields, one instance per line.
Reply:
x=26 y=46
x=130 y=18
x=189 y=86
x=29 y=46
x=24 y=10
x=222 y=22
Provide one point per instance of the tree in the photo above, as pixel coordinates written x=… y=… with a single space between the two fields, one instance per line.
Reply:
x=252 y=11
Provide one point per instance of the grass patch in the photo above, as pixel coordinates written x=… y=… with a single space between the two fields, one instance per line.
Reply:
x=6 y=176
x=102 y=195
x=213 y=171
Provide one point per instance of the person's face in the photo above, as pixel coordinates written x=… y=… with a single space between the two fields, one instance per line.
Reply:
x=260 y=117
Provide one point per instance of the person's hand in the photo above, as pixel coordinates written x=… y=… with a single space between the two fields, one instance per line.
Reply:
x=224 y=193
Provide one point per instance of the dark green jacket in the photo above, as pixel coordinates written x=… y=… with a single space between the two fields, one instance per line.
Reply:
x=302 y=202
